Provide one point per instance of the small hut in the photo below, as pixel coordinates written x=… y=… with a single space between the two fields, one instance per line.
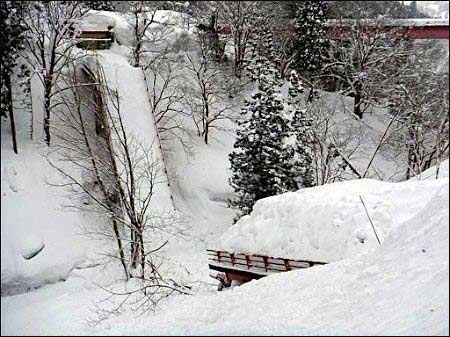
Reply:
x=95 y=37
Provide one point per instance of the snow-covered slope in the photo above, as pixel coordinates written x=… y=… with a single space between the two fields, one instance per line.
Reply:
x=400 y=287
x=435 y=172
x=34 y=219
x=137 y=117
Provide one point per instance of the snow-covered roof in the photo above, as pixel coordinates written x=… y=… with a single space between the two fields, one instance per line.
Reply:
x=96 y=22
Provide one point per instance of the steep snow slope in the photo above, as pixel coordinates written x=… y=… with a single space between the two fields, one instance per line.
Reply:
x=137 y=118
x=399 y=288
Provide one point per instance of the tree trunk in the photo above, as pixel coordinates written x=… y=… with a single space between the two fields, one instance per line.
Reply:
x=206 y=136
x=142 y=251
x=311 y=95
x=137 y=50
x=11 y=112
x=31 y=109
x=135 y=249
x=119 y=243
x=358 y=100
x=47 y=95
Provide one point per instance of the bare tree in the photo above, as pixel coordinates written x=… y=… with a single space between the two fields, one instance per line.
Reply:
x=148 y=30
x=244 y=20
x=163 y=75
x=119 y=174
x=49 y=41
x=365 y=61
x=421 y=101
x=83 y=142
x=208 y=92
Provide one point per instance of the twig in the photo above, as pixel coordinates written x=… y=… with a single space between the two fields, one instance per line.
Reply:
x=373 y=227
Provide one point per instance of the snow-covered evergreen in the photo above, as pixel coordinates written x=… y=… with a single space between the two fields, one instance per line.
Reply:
x=309 y=43
x=101 y=5
x=260 y=162
x=12 y=42
x=301 y=125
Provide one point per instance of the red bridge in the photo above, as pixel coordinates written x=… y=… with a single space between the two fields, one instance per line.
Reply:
x=408 y=28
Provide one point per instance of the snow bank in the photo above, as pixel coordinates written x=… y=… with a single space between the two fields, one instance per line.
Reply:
x=401 y=288
x=40 y=239
x=327 y=223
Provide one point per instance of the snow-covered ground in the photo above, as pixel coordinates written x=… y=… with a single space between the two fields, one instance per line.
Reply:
x=34 y=219
x=400 y=287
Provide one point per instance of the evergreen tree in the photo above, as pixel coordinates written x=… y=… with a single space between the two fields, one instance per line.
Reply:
x=302 y=130
x=309 y=44
x=101 y=5
x=261 y=162
x=262 y=63
x=304 y=137
x=12 y=43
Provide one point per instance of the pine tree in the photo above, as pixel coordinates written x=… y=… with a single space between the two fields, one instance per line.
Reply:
x=303 y=164
x=101 y=5
x=12 y=43
x=310 y=43
x=273 y=146
x=263 y=61
x=302 y=129
x=261 y=162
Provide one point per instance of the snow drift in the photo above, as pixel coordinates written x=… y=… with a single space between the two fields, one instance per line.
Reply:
x=328 y=223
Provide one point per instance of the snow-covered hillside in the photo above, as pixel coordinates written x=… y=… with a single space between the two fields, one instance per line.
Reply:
x=34 y=220
x=398 y=287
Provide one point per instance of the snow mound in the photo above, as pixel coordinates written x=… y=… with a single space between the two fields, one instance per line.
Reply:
x=399 y=289
x=40 y=241
x=328 y=223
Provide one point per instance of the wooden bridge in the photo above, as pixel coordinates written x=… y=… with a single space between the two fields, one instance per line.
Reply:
x=246 y=267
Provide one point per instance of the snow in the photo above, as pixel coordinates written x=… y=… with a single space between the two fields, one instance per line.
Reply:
x=33 y=217
x=137 y=117
x=431 y=172
x=401 y=287
x=326 y=223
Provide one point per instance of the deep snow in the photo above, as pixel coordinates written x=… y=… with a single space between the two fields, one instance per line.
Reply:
x=398 y=288
x=327 y=223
